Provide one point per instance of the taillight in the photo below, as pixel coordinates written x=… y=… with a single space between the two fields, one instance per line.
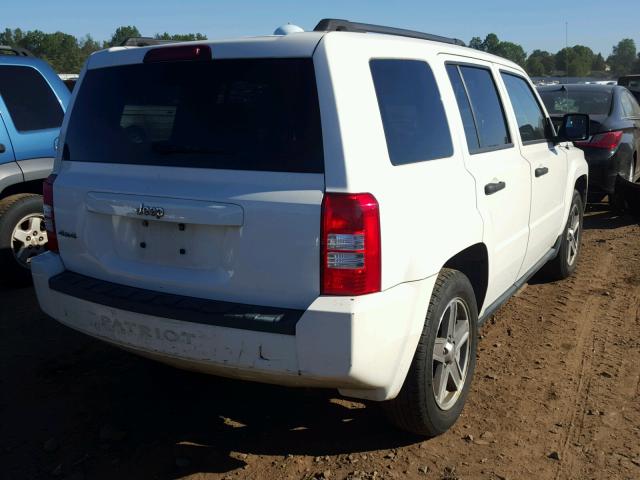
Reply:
x=604 y=141
x=49 y=218
x=350 y=244
x=179 y=53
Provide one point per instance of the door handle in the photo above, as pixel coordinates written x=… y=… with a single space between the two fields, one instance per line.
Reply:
x=2 y=148
x=541 y=171
x=491 y=188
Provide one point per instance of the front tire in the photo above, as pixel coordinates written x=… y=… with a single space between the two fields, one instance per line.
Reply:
x=436 y=387
x=22 y=236
x=566 y=261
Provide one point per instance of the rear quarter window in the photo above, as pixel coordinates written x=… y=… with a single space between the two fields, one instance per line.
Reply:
x=31 y=103
x=413 y=117
x=241 y=114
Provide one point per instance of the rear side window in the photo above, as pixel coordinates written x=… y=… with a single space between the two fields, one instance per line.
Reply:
x=413 y=117
x=488 y=114
x=531 y=120
x=29 y=99
x=629 y=104
x=473 y=142
x=241 y=114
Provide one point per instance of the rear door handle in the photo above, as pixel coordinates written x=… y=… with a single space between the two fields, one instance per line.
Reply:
x=541 y=171
x=2 y=148
x=491 y=188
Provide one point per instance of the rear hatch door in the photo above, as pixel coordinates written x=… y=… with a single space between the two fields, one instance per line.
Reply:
x=198 y=178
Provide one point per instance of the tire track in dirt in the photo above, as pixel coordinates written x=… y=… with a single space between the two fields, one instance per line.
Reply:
x=558 y=371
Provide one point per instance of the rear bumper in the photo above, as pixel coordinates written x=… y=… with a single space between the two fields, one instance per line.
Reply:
x=362 y=346
x=604 y=167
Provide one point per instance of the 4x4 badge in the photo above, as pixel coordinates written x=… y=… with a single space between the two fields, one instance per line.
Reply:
x=157 y=212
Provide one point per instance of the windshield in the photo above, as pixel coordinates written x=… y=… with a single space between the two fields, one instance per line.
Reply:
x=560 y=102
x=249 y=114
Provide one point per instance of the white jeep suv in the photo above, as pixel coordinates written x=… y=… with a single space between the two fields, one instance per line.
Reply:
x=339 y=208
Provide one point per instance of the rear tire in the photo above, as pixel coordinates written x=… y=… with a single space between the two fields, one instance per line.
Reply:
x=566 y=261
x=436 y=387
x=616 y=199
x=17 y=213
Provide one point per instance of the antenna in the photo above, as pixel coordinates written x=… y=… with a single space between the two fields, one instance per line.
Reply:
x=566 y=49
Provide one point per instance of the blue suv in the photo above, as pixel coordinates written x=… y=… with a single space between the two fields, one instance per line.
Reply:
x=32 y=104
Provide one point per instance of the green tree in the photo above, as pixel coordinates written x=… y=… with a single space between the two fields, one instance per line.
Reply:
x=491 y=43
x=180 y=37
x=547 y=60
x=121 y=34
x=476 y=43
x=535 y=67
x=576 y=60
x=598 y=64
x=511 y=51
x=623 y=58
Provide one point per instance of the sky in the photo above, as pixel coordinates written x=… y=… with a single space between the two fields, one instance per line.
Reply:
x=533 y=24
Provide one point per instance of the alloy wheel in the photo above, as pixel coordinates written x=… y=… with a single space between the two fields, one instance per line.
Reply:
x=573 y=235
x=29 y=238
x=451 y=354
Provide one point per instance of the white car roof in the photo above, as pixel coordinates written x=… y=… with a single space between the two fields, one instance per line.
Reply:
x=281 y=46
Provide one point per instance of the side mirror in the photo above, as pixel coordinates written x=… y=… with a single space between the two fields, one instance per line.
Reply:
x=574 y=128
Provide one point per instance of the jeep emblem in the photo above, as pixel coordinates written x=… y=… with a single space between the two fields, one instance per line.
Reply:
x=157 y=212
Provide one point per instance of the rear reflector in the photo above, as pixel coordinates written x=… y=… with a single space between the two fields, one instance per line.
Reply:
x=179 y=53
x=49 y=217
x=350 y=243
x=604 y=141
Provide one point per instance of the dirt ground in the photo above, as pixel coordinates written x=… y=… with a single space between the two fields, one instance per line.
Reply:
x=556 y=396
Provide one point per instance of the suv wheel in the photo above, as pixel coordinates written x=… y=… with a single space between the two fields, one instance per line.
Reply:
x=438 y=381
x=22 y=236
x=566 y=261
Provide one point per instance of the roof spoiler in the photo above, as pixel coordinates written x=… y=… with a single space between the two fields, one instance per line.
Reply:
x=338 y=25
x=17 y=51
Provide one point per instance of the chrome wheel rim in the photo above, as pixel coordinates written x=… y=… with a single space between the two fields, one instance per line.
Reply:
x=451 y=354
x=29 y=238
x=573 y=235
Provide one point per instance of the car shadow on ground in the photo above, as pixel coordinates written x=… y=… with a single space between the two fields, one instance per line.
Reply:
x=601 y=216
x=115 y=415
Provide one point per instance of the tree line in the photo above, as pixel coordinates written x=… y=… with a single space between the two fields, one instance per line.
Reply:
x=67 y=53
x=576 y=61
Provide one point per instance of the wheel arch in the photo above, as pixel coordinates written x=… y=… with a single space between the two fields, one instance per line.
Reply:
x=581 y=185
x=473 y=261
x=32 y=186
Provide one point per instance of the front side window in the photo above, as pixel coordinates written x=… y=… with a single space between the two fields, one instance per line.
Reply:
x=531 y=120
x=29 y=99
x=413 y=117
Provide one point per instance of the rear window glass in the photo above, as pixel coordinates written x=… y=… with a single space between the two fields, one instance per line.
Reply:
x=248 y=114
x=490 y=121
x=29 y=99
x=413 y=117
x=562 y=101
